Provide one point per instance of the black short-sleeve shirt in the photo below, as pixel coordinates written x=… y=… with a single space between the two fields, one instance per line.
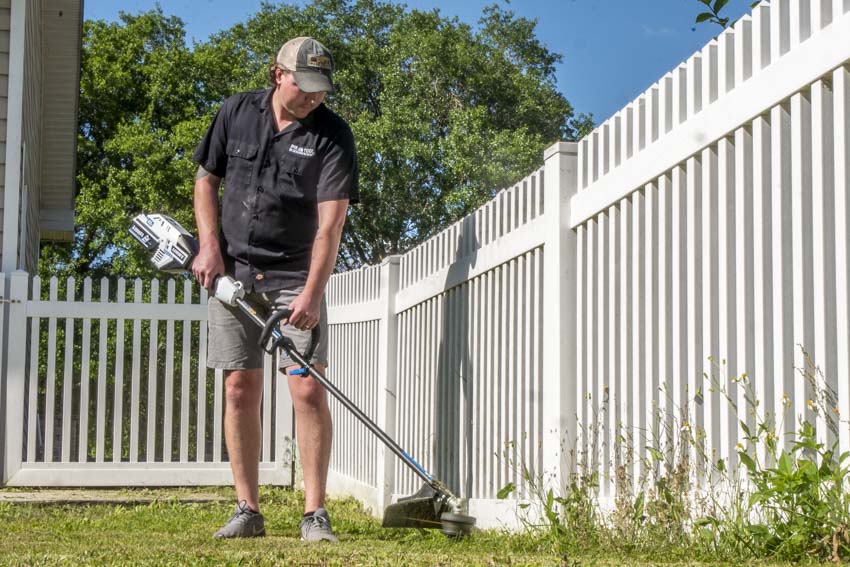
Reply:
x=273 y=182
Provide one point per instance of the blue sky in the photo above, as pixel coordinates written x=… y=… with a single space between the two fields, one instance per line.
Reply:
x=612 y=49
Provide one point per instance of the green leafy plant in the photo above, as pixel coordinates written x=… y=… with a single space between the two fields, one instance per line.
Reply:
x=785 y=497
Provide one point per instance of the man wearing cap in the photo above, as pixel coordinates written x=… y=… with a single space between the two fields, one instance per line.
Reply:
x=290 y=172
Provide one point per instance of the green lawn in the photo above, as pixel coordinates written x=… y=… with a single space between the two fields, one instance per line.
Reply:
x=169 y=531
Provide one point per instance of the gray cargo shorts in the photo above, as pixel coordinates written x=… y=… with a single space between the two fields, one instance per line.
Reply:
x=233 y=340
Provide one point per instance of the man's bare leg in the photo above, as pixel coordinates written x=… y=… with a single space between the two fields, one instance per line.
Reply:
x=314 y=432
x=242 y=433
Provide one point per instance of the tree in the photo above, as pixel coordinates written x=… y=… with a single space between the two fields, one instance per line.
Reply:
x=711 y=13
x=443 y=116
x=140 y=114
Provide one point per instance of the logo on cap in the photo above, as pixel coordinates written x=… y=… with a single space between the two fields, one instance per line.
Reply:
x=319 y=61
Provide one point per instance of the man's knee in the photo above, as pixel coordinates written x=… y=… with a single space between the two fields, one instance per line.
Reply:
x=306 y=389
x=243 y=388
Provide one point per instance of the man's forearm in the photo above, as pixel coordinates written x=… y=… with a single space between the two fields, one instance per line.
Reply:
x=325 y=246
x=206 y=207
x=323 y=260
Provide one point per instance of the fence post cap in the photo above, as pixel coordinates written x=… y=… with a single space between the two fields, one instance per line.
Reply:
x=392 y=259
x=560 y=148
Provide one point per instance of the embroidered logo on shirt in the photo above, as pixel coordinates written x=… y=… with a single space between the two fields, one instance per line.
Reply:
x=303 y=152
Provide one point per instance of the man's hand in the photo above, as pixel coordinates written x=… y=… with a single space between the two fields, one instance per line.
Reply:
x=207 y=266
x=306 y=310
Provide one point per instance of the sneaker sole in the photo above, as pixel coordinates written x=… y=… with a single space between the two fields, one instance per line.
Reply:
x=260 y=534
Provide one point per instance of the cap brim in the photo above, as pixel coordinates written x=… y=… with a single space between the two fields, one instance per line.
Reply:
x=312 y=82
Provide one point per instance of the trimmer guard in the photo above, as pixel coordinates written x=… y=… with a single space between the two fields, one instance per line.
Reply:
x=420 y=510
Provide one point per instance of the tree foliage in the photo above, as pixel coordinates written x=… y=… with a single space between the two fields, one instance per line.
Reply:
x=712 y=12
x=443 y=114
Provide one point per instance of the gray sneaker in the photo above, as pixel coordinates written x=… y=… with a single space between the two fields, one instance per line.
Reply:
x=243 y=523
x=317 y=527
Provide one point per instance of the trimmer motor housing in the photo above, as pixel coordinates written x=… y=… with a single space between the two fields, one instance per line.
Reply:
x=172 y=246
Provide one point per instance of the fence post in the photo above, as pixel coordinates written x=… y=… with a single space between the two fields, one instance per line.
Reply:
x=560 y=179
x=387 y=348
x=16 y=360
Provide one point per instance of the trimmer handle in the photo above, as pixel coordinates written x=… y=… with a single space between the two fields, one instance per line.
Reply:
x=228 y=290
x=269 y=342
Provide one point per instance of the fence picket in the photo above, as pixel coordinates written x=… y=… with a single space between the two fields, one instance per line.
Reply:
x=218 y=413
x=783 y=356
x=32 y=405
x=168 y=393
x=85 y=379
x=727 y=368
x=761 y=37
x=680 y=392
x=695 y=344
x=763 y=371
x=185 y=380
x=662 y=321
x=841 y=174
x=68 y=378
x=135 y=377
x=801 y=215
x=625 y=392
x=801 y=21
x=613 y=363
x=101 y=408
x=639 y=421
x=201 y=414
x=152 y=393
x=269 y=373
x=823 y=251
x=118 y=404
x=743 y=203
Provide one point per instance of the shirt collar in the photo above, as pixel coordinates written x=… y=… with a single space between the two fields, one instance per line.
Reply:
x=262 y=102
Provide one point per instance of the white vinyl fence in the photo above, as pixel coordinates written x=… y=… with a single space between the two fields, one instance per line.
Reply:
x=444 y=346
x=697 y=241
x=712 y=226
x=109 y=387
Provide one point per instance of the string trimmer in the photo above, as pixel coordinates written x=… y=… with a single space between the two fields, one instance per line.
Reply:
x=434 y=506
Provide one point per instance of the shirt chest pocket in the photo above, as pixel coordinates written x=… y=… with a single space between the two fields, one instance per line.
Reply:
x=293 y=179
x=241 y=156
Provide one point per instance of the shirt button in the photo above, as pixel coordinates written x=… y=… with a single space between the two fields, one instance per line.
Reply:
x=256 y=216
x=259 y=277
x=260 y=189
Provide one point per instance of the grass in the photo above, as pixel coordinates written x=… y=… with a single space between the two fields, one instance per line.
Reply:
x=170 y=532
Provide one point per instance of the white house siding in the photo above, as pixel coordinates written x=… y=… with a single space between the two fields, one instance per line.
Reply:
x=5 y=13
x=23 y=133
x=48 y=42
x=61 y=27
x=32 y=139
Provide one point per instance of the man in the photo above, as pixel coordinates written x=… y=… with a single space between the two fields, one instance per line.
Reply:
x=290 y=172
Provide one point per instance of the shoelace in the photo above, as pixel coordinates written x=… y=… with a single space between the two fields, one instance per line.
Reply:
x=320 y=520
x=242 y=512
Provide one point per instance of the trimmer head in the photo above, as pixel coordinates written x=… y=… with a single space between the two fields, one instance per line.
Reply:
x=429 y=508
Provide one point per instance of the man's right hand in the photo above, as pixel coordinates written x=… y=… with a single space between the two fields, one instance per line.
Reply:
x=207 y=266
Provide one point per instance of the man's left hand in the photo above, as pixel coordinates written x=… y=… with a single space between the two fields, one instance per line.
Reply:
x=305 y=311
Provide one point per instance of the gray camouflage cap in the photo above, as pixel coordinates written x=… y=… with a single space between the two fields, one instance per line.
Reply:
x=310 y=62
